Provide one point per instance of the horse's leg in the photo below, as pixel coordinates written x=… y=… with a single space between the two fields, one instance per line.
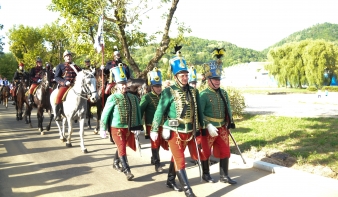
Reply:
x=88 y=114
x=98 y=115
x=40 y=119
x=70 y=131
x=17 y=111
x=81 y=133
x=51 y=117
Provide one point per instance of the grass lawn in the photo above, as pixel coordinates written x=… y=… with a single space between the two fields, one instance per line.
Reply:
x=274 y=90
x=310 y=140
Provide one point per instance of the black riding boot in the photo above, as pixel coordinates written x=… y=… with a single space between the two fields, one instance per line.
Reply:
x=223 y=171
x=126 y=168
x=14 y=101
x=30 y=99
x=206 y=172
x=117 y=161
x=156 y=158
x=171 y=178
x=182 y=177
x=58 y=111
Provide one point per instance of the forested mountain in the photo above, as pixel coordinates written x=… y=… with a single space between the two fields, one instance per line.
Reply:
x=326 y=31
x=198 y=51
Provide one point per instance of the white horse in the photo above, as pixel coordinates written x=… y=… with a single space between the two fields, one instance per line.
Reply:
x=75 y=105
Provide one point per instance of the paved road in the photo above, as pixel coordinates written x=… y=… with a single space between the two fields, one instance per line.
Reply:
x=295 y=105
x=35 y=165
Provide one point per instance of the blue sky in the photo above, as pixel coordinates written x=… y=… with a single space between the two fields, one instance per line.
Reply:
x=255 y=24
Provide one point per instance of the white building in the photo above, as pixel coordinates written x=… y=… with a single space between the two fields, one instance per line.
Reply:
x=250 y=74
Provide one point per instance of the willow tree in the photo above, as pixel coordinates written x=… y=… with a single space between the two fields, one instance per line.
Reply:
x=320 y=56
x=122 y=27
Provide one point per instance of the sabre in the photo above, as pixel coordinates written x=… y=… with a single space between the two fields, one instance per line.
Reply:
x=199 y=159
x=233 y=139
x=138 y=145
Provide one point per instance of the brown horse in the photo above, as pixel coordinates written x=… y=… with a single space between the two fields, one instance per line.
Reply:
x=5 y=94
x=19 y=98
x=98 y=104
x=41 y=102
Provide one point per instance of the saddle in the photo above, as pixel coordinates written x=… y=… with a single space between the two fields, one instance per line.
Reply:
x=27 y=92
x=65 y=94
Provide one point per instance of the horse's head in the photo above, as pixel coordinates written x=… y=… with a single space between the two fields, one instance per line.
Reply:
x=44 y=76
x=88 y=84
x=137 y=87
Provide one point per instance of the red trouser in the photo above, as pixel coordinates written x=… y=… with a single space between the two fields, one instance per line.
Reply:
x=33 y=86
x=62 y=90
x=123 y=138
x=160 y=141
x=177 y=147
x=220 y=144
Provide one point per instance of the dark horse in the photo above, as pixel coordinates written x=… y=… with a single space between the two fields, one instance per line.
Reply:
x=41 y=102
x=5 y=94
x=20 y=97
x=135 y=86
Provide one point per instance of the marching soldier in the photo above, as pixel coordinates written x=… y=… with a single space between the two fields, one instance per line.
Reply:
x=148 y=107
x=20 y=74
x=217 y=115
x=35 y=79
x=122 y=117
x=107 y=71
x=64 y=75
x=180 y=103
x=192 y=77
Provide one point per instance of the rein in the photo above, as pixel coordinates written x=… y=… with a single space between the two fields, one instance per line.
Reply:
x=85 y=89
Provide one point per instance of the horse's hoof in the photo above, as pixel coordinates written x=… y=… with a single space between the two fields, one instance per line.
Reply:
x=69 y=145
x=96 y=131
x=39 y=130
x=47 y=128
x=30 y=125
x=42 y=133
x=85 y=151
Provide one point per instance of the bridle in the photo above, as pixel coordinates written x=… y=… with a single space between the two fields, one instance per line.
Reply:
x=85 y=89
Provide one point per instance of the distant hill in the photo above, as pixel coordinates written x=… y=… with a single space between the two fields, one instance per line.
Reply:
x=326 y=31
x=198 y=51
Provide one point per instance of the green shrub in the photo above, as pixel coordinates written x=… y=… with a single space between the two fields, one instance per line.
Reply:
x=330 y=88
x=237 y=101
x=311 y=88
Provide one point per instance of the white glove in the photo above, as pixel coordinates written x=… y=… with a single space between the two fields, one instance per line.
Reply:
x=67 y=83
x=212 y=130
x=102 y=67
x=53 y=80
x=103 y=134
x=136 y=132
x=153 y=136
x=39 y=80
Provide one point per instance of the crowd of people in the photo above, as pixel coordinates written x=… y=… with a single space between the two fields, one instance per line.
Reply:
x=174 y=118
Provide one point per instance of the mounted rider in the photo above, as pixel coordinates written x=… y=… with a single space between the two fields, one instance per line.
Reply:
x=35 y=79
x=180 y=104
x=4 y=83
x=107 y=70
x=217 y=115
x=65 y=75
x=49 y=68
x=121 y=116
x=88 y=65
x=19 y=75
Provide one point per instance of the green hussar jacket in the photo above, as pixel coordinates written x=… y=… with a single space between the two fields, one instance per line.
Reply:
x=117 y=112
x=213 y=107
x=171 y=103
x=148 y=106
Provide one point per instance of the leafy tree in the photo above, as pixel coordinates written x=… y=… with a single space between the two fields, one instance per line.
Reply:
x=8 y=65
x=26 y=44
x=121 y=27
x=1 y=37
